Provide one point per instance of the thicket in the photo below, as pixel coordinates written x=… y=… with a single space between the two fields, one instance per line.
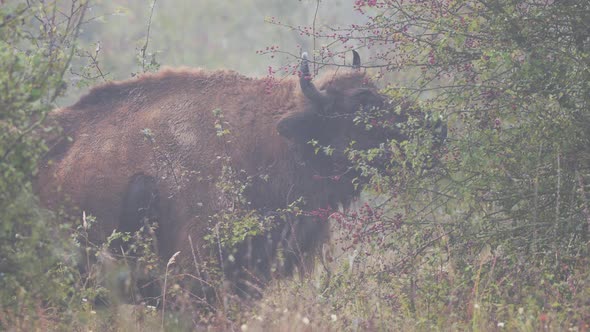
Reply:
x=492 y=229
x=36 y=274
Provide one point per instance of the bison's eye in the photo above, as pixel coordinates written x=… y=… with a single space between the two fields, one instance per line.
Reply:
x=367 y=98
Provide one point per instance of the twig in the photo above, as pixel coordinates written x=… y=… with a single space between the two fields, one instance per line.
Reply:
x=147 y=37
x=171 y=261
x=557 y=205
x=94 y=59
x=315 y=15
x=220 y=261
x=190 y=240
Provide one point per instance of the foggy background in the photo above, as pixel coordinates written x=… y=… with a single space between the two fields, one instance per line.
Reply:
x=205 y=33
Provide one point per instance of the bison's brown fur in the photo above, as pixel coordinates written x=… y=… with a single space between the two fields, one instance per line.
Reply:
x=179 y=152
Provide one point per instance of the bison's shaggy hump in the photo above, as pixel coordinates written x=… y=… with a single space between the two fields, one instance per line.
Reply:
x=156 y=136
x=166 y=79
x=108 y=97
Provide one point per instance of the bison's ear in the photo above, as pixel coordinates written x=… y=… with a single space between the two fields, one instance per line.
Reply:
x=300 y=126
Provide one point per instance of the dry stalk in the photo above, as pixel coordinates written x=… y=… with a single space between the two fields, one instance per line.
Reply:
x=171 y=261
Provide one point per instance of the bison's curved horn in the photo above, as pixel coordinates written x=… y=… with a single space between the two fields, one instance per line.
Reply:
x=308 y=89
x=356 y=60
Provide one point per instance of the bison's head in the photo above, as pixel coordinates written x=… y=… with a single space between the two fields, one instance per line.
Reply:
x=331 y=119
x=335 y=116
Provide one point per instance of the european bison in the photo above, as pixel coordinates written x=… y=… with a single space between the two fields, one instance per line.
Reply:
x=155 y=147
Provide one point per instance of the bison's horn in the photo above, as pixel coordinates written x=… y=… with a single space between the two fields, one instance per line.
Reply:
x=356 y=60
x=308 y=89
